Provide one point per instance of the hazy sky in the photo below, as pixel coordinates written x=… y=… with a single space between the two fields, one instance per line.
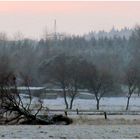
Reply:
x=32 y=18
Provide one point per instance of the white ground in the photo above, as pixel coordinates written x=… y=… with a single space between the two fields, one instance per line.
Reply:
x=84 y=126
x=112 y=103
x=71 y=131
x=87 y=127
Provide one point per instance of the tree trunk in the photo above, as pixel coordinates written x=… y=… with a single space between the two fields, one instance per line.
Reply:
x=65 y=99
x=97 y=101
x=128 y=99
x=71 y=102
x=97 y=105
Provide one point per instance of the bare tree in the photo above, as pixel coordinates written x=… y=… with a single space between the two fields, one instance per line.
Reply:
x=98 y=82
x=56 y=73
x=64 y=71
x=75 y=72
x=12 y=103
x=17 y=111
x=131 y=79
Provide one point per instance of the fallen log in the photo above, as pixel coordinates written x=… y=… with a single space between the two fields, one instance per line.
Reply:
x=48 y=120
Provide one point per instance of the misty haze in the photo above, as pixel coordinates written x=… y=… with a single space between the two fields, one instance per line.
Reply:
x=69 y=63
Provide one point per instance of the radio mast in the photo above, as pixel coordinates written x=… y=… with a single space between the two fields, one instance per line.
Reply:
x=55 y=35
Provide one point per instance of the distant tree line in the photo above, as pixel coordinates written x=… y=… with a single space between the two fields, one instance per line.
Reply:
x=104 y=65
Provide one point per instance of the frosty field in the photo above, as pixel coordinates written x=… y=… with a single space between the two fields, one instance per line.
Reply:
x=83 y=126
x=74 y=131
x=117 y=126
x=106 y=103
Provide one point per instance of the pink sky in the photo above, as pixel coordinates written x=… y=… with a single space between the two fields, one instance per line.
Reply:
x=32 y=18
x=67 y=6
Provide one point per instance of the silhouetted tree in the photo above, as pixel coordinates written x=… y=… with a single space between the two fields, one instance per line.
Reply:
x=64 y=72
x=98 y=82
x=131 y=80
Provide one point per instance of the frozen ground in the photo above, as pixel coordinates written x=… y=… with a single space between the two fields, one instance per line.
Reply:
x=71 y=132
x=107 y=103
x=84 y=126
x=88 y=127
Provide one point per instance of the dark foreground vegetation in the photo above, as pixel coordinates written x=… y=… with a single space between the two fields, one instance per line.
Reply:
x=14 y=110
x=103 y=66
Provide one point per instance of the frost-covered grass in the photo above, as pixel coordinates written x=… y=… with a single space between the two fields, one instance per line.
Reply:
x=106 y=103
x=100 y=120
x=83 y=126
x=70 y=132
